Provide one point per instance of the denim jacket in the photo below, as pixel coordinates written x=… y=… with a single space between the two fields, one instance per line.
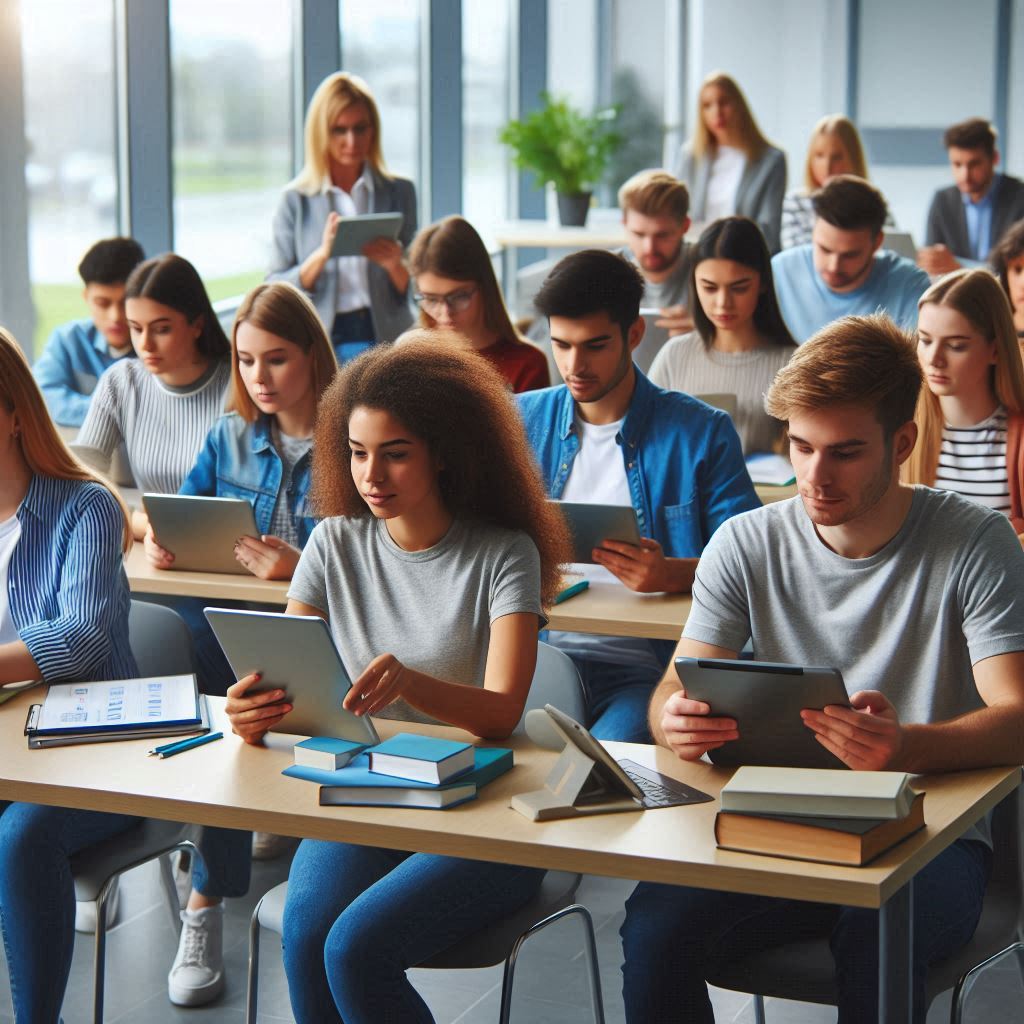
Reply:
x=683 y=461
x=239 y=460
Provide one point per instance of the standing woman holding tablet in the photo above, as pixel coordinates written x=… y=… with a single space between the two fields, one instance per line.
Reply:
x=970 y=417
x=418 y=510
x=162 y=404
x=63 y=617
x=728 y=165
x=741 y=340
x=360 y=299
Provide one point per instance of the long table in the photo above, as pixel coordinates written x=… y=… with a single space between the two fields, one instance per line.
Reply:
x=233 y=785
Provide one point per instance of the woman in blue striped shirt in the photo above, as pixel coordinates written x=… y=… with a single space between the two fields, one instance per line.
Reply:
x=63 y=616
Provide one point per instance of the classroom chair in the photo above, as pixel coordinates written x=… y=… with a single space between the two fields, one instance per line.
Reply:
x=162 y=645
x=556 y=682
x=804 y=970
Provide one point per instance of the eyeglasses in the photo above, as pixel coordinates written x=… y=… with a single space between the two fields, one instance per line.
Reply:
x=457 y=302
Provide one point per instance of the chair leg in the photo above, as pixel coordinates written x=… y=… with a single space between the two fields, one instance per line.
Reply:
x=170 y=889
x=100 y=952
x=759 y=1017
x=593 y=974
x=253 y=978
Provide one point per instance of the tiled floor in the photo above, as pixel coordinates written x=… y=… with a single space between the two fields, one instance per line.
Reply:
x=551 y=984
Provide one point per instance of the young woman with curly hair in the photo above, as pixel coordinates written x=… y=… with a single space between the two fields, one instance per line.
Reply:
x=433 y=564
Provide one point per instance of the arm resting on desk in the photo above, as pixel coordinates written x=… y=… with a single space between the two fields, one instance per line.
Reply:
x=17 y=663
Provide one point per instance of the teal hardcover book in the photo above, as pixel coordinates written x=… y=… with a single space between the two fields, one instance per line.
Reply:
x=421 y=758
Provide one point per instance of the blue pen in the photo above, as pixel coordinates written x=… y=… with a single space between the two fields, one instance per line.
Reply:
x=576 y=588
x=167 y=746
x=180 y=748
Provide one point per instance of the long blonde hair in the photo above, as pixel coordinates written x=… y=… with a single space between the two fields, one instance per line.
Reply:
x=752 y=142
x=846 y=132
x=334 y=94
x=977 y=296
x=282 y=310
x=43 y=448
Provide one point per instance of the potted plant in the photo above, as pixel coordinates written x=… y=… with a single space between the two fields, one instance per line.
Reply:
x=566 y=147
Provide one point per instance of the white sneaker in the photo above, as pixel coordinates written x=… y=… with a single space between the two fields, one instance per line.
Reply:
x=267 y=846
x=85 y=913
x=197 y=974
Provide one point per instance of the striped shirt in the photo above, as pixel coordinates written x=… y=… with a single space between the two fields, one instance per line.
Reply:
x=66 y=587
x=972 y=462
x=162 y=427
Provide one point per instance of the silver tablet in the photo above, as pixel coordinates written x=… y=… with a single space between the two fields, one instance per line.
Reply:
x=591 y=525
x=356 y=232
x=765 y=699
x=201 y=532
x=294 y=653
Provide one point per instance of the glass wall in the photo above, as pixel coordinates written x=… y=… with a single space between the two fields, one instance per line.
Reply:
x=71 y=173
x=486 y=64
x=231 y=66
x=380 y=41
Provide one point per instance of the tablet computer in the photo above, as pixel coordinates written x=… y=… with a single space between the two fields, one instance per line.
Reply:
x=765 y=698
x=591 y=525
x=294 y=653
x=355 y=232
x=201 y=532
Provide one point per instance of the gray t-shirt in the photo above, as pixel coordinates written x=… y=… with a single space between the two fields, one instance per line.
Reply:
x=431 y=609
x=909 y=621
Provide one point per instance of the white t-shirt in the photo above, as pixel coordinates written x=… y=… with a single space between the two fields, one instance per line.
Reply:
x=598 y=474
x=10 y=534
x=723 y=182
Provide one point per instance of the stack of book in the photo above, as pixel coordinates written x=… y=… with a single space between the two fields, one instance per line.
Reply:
x=404 y=771
x=833 y=816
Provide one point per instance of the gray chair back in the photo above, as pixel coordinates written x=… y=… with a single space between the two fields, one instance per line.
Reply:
x=160 y=640
x=555 y=682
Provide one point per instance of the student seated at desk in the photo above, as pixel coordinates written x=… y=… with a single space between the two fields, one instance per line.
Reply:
x=970 y=417
x=456 y=289
x=609 y=436
x=741 y=340
x=63 y=617
x=78 y=352
x=914 y=594
x=432 y=568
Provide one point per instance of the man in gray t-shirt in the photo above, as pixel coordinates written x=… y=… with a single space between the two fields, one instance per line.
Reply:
x=914 y=595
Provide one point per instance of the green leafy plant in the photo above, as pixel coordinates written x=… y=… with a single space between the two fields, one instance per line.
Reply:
x=560 y=144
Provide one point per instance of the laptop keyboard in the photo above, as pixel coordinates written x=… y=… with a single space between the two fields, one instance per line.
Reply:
x=662 y=790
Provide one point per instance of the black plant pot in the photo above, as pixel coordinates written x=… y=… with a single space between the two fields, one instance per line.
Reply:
x=572 y=209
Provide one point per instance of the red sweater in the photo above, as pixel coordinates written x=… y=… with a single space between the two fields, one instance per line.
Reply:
x=523 y=365
x=1015 y=468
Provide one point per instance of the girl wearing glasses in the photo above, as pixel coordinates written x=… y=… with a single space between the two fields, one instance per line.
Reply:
x=456 y=288
x=360 y=299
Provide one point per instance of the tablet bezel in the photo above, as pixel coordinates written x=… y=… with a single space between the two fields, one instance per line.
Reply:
x=592 y=524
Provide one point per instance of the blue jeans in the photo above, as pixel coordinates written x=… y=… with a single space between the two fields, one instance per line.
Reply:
x=357 y=918
x=224 y=862
x=672 y=933
x=37 y=898
x=352 y=334
x=617 y=699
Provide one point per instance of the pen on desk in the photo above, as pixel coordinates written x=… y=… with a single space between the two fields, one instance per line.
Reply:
x=180 y=748
x=576 y=588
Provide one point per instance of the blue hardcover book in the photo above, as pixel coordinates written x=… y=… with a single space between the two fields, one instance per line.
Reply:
x=326 y=752
x=421 y=758
x=356 y=784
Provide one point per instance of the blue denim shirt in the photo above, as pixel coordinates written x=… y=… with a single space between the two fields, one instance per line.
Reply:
x=69 y=367
x=683 y=461
x=239 y=460
x=66 y=587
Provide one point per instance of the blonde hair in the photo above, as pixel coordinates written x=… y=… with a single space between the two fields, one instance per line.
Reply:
x=846 y=132
x=43 y=448
x=752 y=142
x=282 y=310
x=864 y=361
x=334 y=94
x=976 y=296
x=655 y=193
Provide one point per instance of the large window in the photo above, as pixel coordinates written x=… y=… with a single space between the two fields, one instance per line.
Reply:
x=486 y=59
x=380 y=41
x=71 y=173
x=232 y=108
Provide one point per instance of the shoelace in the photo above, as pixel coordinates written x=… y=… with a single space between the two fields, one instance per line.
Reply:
x=196 y=936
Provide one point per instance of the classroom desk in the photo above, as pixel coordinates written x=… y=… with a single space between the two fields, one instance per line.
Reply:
x=236 y=786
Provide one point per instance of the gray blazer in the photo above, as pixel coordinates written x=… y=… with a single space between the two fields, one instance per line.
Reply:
x=758 y=197
x=298 y=230
x=947 y=221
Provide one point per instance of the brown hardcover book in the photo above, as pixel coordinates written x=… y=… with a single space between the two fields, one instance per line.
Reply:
x=850 y=841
